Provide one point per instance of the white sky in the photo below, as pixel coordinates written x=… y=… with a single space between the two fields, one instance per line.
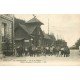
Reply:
x=66 y=26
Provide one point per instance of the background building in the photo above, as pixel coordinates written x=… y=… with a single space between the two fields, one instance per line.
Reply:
x=28 y=33
x=6 y=34
x=48 y=39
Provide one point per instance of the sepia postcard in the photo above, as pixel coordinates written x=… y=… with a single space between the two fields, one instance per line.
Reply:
x=40 y=39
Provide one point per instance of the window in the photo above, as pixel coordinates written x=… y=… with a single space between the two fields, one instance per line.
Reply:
x=3 y=31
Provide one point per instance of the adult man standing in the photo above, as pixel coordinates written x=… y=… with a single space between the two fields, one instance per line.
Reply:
x=79 y=48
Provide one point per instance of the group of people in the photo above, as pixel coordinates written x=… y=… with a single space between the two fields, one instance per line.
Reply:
x=30 y=51
x=59 y=52
x=39 y=51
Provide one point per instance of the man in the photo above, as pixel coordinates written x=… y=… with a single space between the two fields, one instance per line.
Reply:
x=51 y=50
x=47 y=51
x=30 y=51
x=34 y=50
x=79 y=48
x=62 y=51
x=26 y=51
x=66 y=52
x=17 y=51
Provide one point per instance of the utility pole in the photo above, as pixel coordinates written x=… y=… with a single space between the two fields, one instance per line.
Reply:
x=0 y=37
x=13 y=33
x=48 y=26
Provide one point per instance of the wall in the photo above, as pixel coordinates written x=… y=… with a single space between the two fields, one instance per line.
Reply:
x=8 y=21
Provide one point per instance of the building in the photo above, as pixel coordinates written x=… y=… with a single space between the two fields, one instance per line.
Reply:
x=60 y=43
x=28 y=33
x=6 y=34
x=48 y=40
x=37 y=34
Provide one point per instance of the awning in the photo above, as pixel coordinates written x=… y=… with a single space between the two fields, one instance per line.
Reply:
x=18 y=39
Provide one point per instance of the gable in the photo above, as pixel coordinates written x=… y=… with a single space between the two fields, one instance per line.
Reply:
x=20 y=33
x=28 y=29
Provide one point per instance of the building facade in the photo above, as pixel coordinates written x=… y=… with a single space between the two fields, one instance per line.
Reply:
x=6 y=34
x=28 y=33
x=37 y=34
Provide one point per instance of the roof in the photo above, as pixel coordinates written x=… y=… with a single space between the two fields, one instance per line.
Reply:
x=17 y=21
x=46 y=36
x=34 y=20
x=28 y=29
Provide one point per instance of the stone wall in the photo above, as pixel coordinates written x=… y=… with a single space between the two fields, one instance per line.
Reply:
x=8 y=20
